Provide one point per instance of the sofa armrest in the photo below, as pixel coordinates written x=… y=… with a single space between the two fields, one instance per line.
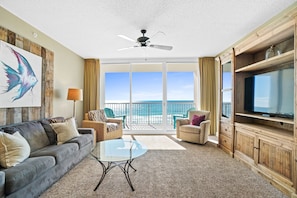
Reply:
x=86 y=130
x=2 y=184
x=99 y=127
x=93 y=124
x=205 y=126
x=181 y=121
x=89 y=131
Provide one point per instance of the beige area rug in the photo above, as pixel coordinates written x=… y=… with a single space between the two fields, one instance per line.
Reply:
x=194 y=171
x=158 y=142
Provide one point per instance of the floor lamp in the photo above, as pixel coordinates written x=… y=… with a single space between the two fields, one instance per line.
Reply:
x=74 y=94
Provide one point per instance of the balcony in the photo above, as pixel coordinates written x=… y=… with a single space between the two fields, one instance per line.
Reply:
x=226 y=109
x=148 y=115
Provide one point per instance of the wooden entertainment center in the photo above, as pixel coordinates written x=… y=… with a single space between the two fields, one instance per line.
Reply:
x=267 y=144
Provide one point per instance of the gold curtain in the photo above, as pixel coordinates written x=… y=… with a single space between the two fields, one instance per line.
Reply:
x=208 y=99
x=91 y=85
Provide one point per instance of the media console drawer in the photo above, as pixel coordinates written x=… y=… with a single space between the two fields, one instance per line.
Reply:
x=225 y=129
x=226 y=142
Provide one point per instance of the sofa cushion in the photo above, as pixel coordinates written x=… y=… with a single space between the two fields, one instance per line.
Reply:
x=14 y=149
x=52 y=136
x=97 y=115
x=33 y=132
x=26 y=172
x=60 y=152
x=112 y=126
x=189 y=128
x=65 y=130
x=82 y=140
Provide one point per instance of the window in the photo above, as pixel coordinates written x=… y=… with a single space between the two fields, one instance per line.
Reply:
x=149 y=94
x=117 y=87
x=226 y=89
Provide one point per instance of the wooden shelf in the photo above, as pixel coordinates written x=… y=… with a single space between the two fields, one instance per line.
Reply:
x=259 y=40
x=276 y=60
x=274 y=119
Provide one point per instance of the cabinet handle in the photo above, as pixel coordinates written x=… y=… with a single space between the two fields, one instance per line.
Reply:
x=256 y=147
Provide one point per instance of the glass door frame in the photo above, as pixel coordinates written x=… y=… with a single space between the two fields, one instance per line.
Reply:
x=183 y=66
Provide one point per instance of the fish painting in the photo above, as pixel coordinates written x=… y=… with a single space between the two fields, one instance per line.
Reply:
x=24 y=76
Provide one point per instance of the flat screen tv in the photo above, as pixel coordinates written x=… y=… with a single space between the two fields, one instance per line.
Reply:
x=271 y=93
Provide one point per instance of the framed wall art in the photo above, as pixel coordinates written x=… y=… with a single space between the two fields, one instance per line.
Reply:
x=20 y=77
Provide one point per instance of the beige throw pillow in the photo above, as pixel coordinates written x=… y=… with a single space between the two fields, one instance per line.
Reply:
x=65 y=130
x=14 y=149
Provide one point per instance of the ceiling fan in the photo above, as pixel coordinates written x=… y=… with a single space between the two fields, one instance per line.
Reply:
x=143 y=41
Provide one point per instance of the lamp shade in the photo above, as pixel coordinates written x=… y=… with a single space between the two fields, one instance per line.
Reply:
x=74 y=94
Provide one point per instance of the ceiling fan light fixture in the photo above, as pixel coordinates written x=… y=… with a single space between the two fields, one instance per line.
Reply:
x=144 y=41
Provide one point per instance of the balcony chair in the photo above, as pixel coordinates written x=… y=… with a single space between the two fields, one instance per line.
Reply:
x=110 y=114
x=195 y=128
x=181 y=116
x=106 y=128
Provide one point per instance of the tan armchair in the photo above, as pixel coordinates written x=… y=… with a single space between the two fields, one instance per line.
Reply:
x=106 y=128
x=192 y=133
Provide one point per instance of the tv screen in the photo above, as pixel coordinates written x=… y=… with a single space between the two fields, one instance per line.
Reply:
x=271 y=93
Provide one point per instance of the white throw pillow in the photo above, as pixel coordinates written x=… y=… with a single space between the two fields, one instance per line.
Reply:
x=14 y=149
x=65 y=130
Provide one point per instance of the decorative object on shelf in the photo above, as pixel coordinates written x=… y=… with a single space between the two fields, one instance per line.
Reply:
x=272 y=51
x=74 y=94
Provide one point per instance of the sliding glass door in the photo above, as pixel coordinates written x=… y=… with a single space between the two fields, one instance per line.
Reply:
x=180 y=95
x=150 y=95
x=147 y=97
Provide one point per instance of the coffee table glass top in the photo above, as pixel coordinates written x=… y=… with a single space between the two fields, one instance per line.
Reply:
x=118 y=150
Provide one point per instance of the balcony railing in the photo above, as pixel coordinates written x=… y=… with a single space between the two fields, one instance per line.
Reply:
x=226 y=109
x=149 y=114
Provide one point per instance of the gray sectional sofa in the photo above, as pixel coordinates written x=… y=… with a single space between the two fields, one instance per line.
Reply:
x=47 y=162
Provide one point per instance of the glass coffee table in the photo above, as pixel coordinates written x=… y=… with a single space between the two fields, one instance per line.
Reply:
x=120 y=153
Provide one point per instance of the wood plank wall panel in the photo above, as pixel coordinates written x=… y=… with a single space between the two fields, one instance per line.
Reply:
x=21 y=114
x=47 y=82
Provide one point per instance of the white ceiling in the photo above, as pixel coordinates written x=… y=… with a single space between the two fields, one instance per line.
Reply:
x=195 y=28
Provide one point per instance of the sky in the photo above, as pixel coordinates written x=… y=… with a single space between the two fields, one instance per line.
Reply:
x=227 y=84
x=147 y=86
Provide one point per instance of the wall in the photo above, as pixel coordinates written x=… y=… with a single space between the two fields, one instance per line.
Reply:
x=68 y=66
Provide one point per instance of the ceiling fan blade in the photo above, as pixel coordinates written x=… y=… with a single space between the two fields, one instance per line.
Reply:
x=126 y=48
x=163 y=47
x=157 y=33
x=127 y=38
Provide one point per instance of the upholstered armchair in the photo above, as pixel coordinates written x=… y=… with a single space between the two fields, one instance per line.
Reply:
x=106 y=128
x=195 y=128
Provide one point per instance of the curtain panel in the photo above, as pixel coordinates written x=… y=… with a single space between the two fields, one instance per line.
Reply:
x=91 y=85
x=208 y=87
